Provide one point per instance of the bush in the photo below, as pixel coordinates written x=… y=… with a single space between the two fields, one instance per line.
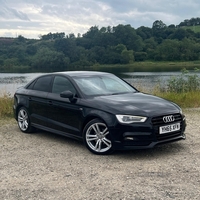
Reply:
x=184 y=83
x=184 y=90
x=6 y=104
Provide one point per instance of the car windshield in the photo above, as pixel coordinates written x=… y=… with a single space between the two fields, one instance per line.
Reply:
x=102 y=85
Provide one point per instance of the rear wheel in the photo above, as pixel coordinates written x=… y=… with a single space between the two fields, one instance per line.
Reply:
x=97 y=137
x=23 y=120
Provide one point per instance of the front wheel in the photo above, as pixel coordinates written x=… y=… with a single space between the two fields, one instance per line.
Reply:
x=23 y=120
x=97 y=137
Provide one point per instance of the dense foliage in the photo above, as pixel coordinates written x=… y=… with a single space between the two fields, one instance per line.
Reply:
x=121 y=44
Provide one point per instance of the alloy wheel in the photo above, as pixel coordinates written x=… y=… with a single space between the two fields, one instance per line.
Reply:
x=97 y=138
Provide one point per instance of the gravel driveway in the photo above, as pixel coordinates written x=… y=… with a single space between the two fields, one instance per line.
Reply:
x=47 y=166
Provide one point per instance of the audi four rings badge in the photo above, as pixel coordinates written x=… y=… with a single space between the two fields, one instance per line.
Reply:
x=169 y=118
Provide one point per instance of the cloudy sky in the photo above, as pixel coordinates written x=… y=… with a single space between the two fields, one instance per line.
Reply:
x=31 y=18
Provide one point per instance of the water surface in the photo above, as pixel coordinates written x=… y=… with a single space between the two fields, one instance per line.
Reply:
x=9 y=82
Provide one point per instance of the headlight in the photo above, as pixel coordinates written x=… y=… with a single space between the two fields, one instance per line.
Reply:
x=128 y=119
x=180 y=110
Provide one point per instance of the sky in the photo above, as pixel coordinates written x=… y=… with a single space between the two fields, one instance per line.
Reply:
x=32 y=18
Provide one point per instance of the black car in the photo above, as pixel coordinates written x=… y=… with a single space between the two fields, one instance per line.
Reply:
x=99 y=108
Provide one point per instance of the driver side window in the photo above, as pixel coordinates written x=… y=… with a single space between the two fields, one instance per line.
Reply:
x=61 y=84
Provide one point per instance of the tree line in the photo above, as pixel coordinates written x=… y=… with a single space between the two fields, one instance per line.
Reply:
x=120 y=44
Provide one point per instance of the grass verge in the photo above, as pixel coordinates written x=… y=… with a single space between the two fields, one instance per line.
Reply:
x=147 y=66
x=184 y=100
x=6 y=105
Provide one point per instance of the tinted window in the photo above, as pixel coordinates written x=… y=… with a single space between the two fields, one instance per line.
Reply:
x=30 y=86
x=43 y=84
x=61 y=84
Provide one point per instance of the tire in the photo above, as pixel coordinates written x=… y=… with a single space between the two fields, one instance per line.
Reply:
x=23 y=120
x=97 y=137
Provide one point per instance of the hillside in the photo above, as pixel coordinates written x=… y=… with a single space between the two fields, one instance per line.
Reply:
x=118 y=45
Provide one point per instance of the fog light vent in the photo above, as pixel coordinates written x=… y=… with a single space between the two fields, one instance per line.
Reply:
x=129 y=138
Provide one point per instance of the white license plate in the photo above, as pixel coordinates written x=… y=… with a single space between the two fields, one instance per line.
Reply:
x=169 y=128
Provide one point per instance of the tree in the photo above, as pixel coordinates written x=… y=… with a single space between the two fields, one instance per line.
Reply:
x=150 y=44
x=119 y=48
x=172 y=26
x=140 y=56
x=20 y=38
x=49 y=60
x=92 y=32
x=97 y=54
x=68 y=47
x=52 y=36
x=31 y=49
x=144 y=32
x=158 y=29
x=127 y=35
x=158 y=25
x=71 y=36
x=103 y=30
x=127 y=56
x=168 y=51
x=189 y=50
x=179 y=34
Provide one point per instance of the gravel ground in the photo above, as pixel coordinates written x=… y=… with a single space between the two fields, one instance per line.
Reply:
x=47 y=166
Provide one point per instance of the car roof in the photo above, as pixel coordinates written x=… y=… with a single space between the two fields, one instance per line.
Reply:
x=81 y=73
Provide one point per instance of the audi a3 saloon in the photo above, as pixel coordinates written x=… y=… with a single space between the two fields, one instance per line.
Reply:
x=99 y=108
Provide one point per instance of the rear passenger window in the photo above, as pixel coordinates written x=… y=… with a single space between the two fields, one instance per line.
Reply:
x=30 y=86
x=43 y=84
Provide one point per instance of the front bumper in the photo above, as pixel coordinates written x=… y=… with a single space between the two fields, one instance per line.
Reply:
x=144 y=136
x=144 y=144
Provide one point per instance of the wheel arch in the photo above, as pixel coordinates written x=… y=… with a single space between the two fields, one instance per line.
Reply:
x=97 y=137
x=18 y=108
x=107 y=118
x=20 y=102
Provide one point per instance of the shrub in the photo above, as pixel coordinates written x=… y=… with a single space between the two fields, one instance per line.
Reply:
x=184 y=82
x=6 y=103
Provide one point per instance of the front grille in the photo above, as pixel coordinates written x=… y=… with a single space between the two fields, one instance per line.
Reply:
x=158 y=121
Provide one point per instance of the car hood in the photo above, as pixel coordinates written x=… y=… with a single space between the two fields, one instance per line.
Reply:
x=135 y=103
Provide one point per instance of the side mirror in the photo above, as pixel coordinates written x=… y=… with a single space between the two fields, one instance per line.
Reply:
x=68 y=94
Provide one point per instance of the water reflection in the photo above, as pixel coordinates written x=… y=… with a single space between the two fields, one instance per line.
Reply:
x=144 y=81
x=9 y=82
x=147 y=81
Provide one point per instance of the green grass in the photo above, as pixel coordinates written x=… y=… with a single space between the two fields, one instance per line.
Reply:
x=184 y=100
x=147 y=66
x=196 y=29
x=189 y=99
x=183 y=90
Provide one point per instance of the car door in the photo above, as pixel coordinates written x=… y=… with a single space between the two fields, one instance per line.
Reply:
x=37 y=98
x=65 y=117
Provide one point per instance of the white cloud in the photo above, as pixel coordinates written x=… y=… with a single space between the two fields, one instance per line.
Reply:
x=33 y=17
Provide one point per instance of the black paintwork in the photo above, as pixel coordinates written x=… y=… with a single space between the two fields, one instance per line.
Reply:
x=67 y=114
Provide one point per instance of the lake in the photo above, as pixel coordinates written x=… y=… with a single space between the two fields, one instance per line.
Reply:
x=9 y=82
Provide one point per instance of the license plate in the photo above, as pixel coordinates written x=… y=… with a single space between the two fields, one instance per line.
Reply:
x=169 y=128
